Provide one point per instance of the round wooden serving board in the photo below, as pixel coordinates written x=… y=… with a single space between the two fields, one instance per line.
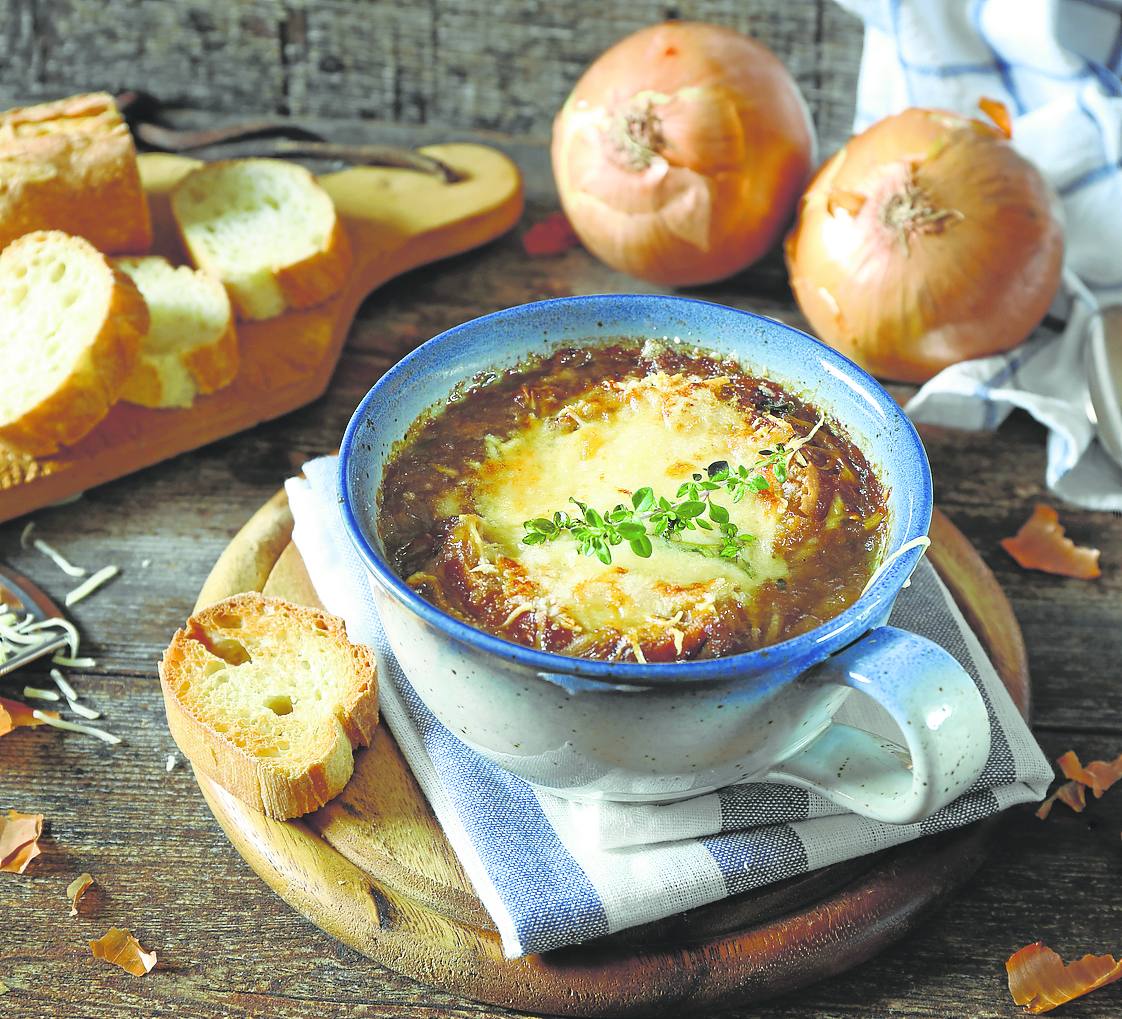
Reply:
x=395 y=219
x=373 y=868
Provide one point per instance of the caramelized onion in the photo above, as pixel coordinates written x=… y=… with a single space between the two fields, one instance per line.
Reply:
x=925 y=241
x=681 y=152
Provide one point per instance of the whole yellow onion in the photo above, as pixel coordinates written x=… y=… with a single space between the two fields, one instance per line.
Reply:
x=681 y=153
x=925 y=241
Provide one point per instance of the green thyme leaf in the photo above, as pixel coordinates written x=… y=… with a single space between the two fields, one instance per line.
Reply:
x=642 y=546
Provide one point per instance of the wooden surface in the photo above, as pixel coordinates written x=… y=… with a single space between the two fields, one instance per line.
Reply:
x=395 y=219
x=373 y=868
x=503 y=65
x=167 y=871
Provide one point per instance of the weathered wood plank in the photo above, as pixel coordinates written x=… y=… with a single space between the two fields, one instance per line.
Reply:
x=504 y=65
x=228 y=947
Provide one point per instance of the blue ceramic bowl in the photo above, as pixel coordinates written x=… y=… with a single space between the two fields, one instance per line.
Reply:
x=627 y=730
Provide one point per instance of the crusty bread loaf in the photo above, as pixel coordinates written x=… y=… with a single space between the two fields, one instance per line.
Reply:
x=267 y=230
x=191 y=345
x=70 y=328
x=71 y=165
x=268 y=699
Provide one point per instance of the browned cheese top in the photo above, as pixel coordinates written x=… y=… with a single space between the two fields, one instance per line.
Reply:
x=599 y=424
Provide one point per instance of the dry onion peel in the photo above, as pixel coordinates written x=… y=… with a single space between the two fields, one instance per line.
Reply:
x=19 y=714
x=926 y=240
x=122 y=949
x=19 y=840
x=76 y=889
x=1039 y=980
x=1073 y=794
x=1041 y=544
x=681 y=152
x=553 y=235
x=1098 y=776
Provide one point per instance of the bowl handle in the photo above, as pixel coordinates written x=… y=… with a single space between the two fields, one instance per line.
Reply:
x=940 y=713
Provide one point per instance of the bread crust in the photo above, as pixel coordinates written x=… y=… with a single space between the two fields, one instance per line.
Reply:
x=216 y=364
x=211 y=366
x=253 y=780
x=98 y=374
x=71 y=165
x=303 y=284
x=320 y=276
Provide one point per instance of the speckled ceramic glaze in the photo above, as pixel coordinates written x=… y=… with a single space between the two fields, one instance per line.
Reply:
x=626 y=731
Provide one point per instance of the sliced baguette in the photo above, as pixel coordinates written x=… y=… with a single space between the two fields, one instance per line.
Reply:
x=70 y=328
x=191 y=345
x=269 y=699
x=267 y=230
x=71 y=165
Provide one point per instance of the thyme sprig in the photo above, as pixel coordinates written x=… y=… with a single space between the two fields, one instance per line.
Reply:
x=649 y=516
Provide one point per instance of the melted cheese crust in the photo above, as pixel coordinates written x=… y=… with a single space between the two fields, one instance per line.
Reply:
x=657 y=430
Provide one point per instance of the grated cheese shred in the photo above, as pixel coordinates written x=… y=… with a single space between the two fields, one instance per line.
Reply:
x=59 y=559
x=85 y=730
x=64 y=687
x=91 y=584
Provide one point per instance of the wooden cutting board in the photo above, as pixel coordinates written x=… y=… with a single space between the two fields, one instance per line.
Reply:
x=396 y=221
x=373 y=868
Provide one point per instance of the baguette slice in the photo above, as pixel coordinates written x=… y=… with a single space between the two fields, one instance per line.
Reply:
x=269 y=699
x=71 y=165
x=70 y=328
x=191 y=345
x=267 y=230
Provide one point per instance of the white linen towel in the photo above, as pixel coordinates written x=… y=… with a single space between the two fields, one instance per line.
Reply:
x=1055 y=64
x=542 y=865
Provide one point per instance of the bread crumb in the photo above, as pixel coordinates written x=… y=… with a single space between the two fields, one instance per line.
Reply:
x=172 y=761
x=145 y=563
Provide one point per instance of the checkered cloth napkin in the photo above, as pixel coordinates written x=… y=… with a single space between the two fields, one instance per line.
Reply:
x=554 y=873
x=1055 y=64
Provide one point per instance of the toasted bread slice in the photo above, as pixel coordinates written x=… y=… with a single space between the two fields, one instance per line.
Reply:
x=191 y=345
x=71 y=165
x=267 y=230
x=70 y=328
x=269 y=699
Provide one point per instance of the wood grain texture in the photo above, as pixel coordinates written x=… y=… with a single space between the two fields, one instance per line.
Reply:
x=167 y=871
x=383 y=879
x=503 y=65
x=396 y=220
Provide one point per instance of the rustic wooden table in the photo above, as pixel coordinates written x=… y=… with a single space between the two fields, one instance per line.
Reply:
x=227 y=946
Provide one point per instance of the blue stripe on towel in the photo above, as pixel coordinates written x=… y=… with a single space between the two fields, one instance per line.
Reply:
x=754 y=858
x=1003 y=67
x=1025 y=353
x=505 y=823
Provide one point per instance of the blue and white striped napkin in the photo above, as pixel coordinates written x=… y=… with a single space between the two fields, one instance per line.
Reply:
x=553 y=873
x=1055 y=64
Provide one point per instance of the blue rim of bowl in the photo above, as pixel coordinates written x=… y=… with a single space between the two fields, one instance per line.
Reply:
x=834 y=631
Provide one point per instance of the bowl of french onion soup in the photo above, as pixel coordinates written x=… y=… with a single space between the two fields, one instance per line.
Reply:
x=637 y=547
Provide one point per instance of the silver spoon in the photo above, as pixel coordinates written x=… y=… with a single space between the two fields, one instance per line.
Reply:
x=20 y=595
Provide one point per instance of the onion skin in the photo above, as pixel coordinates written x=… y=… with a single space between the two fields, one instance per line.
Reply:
x=927 y=240
x=681 y=152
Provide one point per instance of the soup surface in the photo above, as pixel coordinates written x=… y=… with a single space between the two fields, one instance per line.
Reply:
x=634 y=502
